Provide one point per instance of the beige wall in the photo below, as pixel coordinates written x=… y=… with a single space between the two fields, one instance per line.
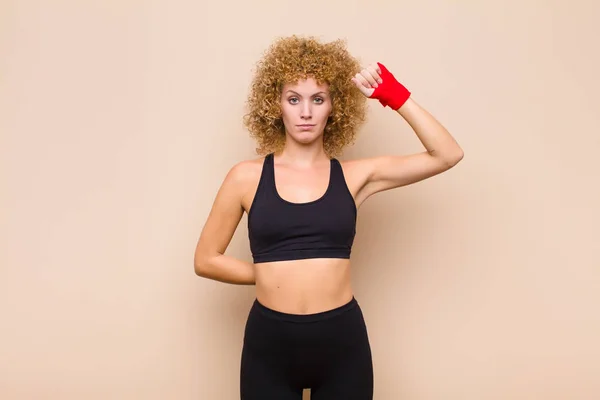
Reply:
x=119 y=119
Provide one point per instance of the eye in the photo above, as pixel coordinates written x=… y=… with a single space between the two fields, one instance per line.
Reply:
x=319 y=100
x=293 y=100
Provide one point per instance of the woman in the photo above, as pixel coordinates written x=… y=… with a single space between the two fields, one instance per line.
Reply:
x=305 y=328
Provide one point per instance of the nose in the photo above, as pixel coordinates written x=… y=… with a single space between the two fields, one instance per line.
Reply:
x=306 y=111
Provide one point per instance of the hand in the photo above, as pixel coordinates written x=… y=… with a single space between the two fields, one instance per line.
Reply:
x=377 y=82
x=368 y=79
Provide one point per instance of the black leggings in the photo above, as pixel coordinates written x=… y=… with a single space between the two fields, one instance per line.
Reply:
x=328 y=352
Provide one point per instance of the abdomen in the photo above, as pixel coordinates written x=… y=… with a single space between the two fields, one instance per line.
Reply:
x=304 y=286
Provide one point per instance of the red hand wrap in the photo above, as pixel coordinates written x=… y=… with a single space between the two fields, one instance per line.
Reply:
x=391 y=92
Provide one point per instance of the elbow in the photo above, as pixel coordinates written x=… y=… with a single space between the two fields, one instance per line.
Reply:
x=199 y=269
x=454 y=158
x=205 y=263
x=201 y=266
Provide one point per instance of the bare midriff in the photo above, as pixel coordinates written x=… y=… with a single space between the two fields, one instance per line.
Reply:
x=304 y=286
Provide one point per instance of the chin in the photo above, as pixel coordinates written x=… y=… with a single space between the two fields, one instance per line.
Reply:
x=305 y=137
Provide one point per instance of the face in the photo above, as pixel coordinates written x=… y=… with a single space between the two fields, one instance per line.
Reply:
x=306 y=106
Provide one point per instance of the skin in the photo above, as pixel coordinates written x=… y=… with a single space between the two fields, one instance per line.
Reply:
x=301 y=175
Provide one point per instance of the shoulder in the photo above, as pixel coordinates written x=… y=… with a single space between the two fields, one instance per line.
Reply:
x=246 y=169
x=358 y=169
x=245 y=174
x=244 y=177
x=356 y=174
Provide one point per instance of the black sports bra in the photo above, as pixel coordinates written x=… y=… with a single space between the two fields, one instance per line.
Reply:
x=281 y=230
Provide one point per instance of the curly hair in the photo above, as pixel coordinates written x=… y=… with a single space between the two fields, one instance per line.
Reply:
x=289 y=60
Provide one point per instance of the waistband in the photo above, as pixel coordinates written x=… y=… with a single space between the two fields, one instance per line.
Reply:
x=282 y=316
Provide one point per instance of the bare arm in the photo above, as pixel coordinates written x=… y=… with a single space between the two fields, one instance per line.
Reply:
x=210 y=260
x=442 y=152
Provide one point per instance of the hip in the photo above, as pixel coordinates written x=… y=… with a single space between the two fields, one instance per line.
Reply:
x=340 y=327
x=314 y=350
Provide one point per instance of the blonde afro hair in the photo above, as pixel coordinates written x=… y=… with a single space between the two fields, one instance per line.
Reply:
x=289 y=60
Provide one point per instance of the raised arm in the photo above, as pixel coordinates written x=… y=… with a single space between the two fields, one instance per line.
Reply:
x=441 y=153
x=210 y=260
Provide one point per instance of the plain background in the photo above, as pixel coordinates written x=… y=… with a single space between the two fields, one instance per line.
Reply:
x=119 y=120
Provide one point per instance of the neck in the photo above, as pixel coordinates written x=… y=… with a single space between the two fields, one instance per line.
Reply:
x=303 y=155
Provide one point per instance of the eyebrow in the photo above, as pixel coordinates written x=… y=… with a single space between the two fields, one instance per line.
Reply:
x=321 y=92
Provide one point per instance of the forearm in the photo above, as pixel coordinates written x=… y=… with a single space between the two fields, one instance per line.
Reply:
x=434 y=137
x=225 y=269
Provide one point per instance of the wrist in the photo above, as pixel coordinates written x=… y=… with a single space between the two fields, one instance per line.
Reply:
x=390 y=92
x=405 y=108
